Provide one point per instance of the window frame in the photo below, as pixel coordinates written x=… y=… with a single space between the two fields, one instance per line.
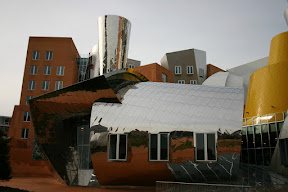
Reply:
x=159 y=148
x=201 y=72
x=57 y=87
x=33 y=85
x=188 y=71
x=60 y=67
x=28 y=98
x=26 y=133
x=36 y=56
x=26 y=116
x=205 y=147
x=193 y=81
x=176 y=72
x=50 y=55
x=33 y=69
x=46 y=87
x=117 y=147
x=131 y=66
x=46 y=67
x=182 y=82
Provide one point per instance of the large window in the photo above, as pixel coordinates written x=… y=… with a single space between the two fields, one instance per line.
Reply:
x=159 y=147
x=45 y=85
x=47 y=70
x=27 y=99
x=35 y=55
x=178 y=70
x=190 y=70
x=164 y=77
x=60 y=70
x=31 y=85
x=27 y=116
x=181 y=81
x=205 y=145
x=201 y=72
x=49 y=55
x=25 y=133
x=58 y=85
x=118 y=147
x=33 y=70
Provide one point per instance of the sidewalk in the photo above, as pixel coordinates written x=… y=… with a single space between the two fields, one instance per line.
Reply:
x=48 y=184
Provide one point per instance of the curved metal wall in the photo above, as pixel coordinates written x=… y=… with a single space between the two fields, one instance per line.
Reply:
x=268 y=91
x=114 y=33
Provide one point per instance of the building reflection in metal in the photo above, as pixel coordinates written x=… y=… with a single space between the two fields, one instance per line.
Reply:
x=114 y=33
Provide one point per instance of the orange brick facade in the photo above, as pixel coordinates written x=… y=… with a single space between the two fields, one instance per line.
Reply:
x=154 y=71
x=211 y=69
x=64 y=54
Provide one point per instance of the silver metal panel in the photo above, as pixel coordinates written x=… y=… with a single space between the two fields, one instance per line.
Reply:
x=114 y=33
x=166 y=107
x=286 y=15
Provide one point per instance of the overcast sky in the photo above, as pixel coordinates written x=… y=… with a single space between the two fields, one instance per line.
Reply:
x=232 y=32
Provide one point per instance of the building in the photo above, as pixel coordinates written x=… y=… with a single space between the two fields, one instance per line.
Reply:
x=187 y=66
x=132 y=63
x=4 y=124
x=50 y=65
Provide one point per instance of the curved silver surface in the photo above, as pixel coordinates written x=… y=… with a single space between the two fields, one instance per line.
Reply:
x=114 y=33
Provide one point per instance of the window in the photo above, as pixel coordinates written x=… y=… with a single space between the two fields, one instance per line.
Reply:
x=205 y=145
x=58 y=85
x=178 y=70
x=35 y=55
x=164 y=77
x=31 y=85
x=159 y=147
x=181 y=81
x=201 y=72
x=193 y=82
x=47 y=70
x=45 y=85
x=27 y=99
x=49 y=55
x=27 y=116
x=25 y=133
x=190 y=70
x=60 y=70
x=131 y=66
x=118 y=147
x=283 y=145
x=33 y=70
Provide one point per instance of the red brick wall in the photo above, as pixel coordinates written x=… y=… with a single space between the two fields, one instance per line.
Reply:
x=211 y=69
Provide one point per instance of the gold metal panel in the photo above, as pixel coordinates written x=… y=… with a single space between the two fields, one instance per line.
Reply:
x=279 y=49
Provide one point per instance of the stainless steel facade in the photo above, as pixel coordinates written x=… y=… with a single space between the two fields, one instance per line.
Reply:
x=114 y=33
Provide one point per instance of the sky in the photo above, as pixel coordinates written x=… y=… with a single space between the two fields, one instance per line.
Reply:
x=232 y=32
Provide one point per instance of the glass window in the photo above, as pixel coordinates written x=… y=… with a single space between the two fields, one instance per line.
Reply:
x=131 y=66
x=35 y=55
x=178 y=70
x=273 y=134
x=205 y=145
x=27 y=116
x=193 y=82
x=201 y=72
x=159 y=146
x=25 y=133
x=251 y=156
x=265 y=135
x=60 y=70
x=164 y=77
x=181 y=81
x=33 y=70
x=267 y=156
x=250 y=134
x=190 y=70
x=279 y=127
x=259 y=157
x=31 y=85
x=118 y=147
x=47 y=70
x=45 y=85
x=58 y=85
x=244 y=138
x=27 y=99
x=244 y=156
x=49 y=55
x=283 y=144
x=258 y=142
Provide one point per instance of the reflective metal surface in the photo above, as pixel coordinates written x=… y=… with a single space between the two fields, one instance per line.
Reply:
x=114 y=33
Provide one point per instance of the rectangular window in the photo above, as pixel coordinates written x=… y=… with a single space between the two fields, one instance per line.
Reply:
x=118 y=147
x=181 y=81
x=60 y=70
x=47 y=70
x=178 y=70
x=205 y=145
x=190 y=70
x=31 y=85
x=159 y=147
x=45 y=85
x=27 y=116
x=25 y=133
x=131 y=66
x=35 y=55
x=283 y=145
x=201 y=72
x=27 y=99
x=164 y=77
x=193 y=82
x=33 y=70
x=49 y=55
x=58 y=85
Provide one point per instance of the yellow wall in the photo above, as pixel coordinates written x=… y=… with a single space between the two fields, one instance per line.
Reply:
x=268 y=88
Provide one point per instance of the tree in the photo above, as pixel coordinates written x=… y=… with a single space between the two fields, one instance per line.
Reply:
x=5 y=168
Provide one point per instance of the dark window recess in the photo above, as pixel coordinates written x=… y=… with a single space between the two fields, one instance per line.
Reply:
x=25 y=133
x=258 y=142
x=283 y=144
x=200 y=146
x=153 y=146
x=273 y=135
x=244 y=138
x=211 y=146
x=164 y=147
x=117 y=147
x=112 y=149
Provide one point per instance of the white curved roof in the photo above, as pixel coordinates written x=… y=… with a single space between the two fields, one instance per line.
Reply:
x=224 y=79
x=166 y=107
